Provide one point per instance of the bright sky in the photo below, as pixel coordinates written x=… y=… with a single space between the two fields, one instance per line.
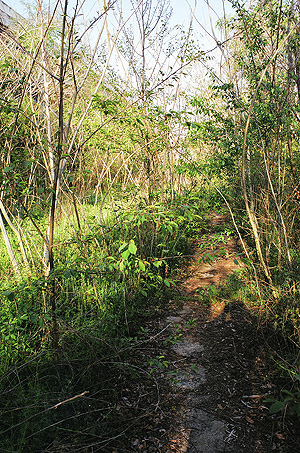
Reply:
x=207 y=12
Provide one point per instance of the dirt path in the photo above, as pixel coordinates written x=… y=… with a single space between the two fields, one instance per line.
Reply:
x=208 y=366
x=222 y=376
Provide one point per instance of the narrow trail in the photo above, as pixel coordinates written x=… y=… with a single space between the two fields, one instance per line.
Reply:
x=222 y=376
x=209 y=368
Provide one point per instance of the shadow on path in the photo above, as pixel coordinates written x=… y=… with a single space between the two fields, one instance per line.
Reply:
x=223 y=374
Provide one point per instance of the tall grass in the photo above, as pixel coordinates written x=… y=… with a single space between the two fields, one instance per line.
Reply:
x=111 y=272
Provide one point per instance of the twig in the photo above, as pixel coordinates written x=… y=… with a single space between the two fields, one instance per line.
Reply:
x=42 y=412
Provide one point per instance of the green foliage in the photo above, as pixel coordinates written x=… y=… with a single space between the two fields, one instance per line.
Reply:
x=133 y=192
x=289 y=401
x=158 y=362
x=109 y=279
x=237 y=288
x=104 y=274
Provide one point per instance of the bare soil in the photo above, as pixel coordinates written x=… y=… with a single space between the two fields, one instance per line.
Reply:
x=209 y=370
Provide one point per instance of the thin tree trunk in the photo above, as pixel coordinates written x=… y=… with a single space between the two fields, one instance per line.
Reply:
x=17 y=233
x=55 y=186
x=9 y=248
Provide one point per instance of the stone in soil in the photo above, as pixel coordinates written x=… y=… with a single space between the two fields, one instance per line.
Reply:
x=187 y=348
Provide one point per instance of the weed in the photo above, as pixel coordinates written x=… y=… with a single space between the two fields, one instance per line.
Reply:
x=190 y=323
x=290 y=399
x=157 y=362
x=174 y=337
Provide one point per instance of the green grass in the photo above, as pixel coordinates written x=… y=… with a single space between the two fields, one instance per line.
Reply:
x=109 y=278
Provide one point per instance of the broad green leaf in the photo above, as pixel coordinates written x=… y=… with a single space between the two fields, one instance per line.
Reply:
x=132 y=247
x=122 y=247
x=169 y=228
x=126 y=254
x=236 y=262
x=142 y=266
x=246 y=261
x=157 y=263
x=277 y=407
x=167 y=283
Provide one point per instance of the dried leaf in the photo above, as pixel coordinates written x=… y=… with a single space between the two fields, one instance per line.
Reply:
x=228 y=317
x=249 y=420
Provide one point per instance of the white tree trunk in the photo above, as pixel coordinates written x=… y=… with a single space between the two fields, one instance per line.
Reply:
x=9 y=248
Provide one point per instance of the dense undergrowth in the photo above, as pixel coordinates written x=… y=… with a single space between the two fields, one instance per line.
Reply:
x=110 y=279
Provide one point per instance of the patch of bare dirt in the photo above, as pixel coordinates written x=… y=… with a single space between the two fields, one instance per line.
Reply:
x=220 y=400
x=209 y=369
